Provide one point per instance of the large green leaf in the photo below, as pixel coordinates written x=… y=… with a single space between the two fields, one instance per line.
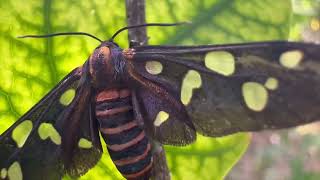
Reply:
x=30 y=67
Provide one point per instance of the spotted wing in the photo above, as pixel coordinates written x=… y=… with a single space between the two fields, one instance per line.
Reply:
x=237 y=87
x=153 y=107
x=35 y=145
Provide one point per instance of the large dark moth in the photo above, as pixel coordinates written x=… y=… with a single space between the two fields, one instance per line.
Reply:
x=160 y=93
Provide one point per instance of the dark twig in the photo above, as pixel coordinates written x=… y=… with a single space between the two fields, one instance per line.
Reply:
x=136 y=15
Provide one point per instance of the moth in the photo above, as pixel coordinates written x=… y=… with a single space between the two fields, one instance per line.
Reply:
x=164 y=94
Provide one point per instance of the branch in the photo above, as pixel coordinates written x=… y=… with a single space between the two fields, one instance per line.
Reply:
x=136 y=15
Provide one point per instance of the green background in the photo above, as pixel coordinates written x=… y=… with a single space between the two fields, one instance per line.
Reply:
x=29 y=68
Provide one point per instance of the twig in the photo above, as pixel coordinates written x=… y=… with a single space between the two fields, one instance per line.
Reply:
x=136 y=15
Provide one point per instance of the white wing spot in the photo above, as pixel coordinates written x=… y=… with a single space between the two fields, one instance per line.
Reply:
x=291 y=59
x=154 y=67
x=67 y=97
x=192 y=80
x=21 y=133
x=255 y=96
x=221 y=62
x=161 y=118
x=46 y=130
x=272 y=83
x=14 y=171
x=84 y=143
x=315 y=24
x=3 y=173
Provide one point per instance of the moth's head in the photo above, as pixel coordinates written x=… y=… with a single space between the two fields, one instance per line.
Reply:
x=101 y=64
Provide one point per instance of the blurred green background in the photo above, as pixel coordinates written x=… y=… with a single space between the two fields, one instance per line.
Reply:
x=29 y=68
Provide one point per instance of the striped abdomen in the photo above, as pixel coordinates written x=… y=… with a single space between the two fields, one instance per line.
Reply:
x=127 y=143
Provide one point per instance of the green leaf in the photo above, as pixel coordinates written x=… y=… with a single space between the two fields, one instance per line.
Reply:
x=219 y=21
x=208 y=158
x=29 y=68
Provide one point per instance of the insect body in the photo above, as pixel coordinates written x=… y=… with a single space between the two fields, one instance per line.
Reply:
x=126 y=140
x=164 y=94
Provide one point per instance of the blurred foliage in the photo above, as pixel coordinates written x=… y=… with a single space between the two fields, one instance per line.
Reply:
x=30 y=67
x=286 y=154
x=305 y=24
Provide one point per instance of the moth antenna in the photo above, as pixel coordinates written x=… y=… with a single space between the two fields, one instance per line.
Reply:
x=61 y=34
x=147 y=24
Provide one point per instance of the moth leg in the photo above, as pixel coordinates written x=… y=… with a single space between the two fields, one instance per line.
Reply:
x=137 y=109
x=94 y=126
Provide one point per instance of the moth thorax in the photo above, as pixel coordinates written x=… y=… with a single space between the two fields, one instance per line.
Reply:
x=101 y=67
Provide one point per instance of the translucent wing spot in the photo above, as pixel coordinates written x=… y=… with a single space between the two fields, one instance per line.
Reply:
x=154 y=67
x=272 y=83
x=84 y=143
x=14 y=172
x=191 y=81
x=255 y=95
x=3 y=173
x=315 y=24
x=221 y=62
x=67 y=97
x=21 y=132
x=161 y=118
x=291 y=59
x=46 y=130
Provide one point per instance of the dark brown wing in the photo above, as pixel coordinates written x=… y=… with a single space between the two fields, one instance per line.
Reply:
x=237 y=87
x=78 y=124
x=164 y=117
x=33 y=143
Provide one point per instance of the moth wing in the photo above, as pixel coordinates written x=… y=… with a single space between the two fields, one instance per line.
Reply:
x=161 y=119
x=33 y=144
x=238 y=87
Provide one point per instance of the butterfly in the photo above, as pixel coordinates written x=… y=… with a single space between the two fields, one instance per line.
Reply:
x=161 y=93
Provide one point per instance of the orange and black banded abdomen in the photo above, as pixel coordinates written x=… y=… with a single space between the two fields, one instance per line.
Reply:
x=126 y=141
